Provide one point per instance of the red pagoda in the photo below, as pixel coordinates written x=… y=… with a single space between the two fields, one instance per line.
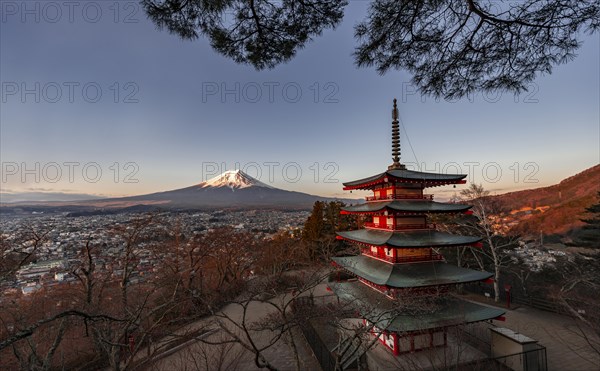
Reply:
x=401 y=276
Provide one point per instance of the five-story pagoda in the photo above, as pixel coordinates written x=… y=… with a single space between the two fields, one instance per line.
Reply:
x=403 y=280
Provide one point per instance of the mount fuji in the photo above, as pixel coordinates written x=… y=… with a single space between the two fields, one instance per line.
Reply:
x=231 y=189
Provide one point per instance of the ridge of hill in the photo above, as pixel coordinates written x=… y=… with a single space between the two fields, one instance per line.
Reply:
x=556 y=209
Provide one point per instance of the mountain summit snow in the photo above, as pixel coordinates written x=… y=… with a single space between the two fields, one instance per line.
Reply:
x=234 y=179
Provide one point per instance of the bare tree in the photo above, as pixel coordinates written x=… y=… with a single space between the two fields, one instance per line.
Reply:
x=262 y=317
x=103 y=306
x=281 y=253
x=34 y=333
x=202 y=356
x=485 y=222
x=15 y=254
x=576 y=293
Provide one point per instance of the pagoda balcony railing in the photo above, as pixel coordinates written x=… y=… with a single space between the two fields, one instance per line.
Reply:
x=400 y=197
x=399 y=227
x=404 y=259
x=379 y=226
x=411 y=259
x=389 y=259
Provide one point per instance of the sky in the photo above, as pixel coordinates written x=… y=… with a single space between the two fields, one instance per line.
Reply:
x=98 y=101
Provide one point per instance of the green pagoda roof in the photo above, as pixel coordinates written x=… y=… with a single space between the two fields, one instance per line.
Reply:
x=406 y=175
x=408 y=239
x=409 y=275
x=385 y=313
x=410 y=206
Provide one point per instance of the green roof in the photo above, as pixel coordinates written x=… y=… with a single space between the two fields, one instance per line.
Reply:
x=409 y=175
x=409 y=206
x=412 y=314
x=407 y=239
x=409 y=275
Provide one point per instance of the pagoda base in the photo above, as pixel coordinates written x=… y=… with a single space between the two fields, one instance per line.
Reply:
x=456 y=354
x=411 y=325
x=402 y=343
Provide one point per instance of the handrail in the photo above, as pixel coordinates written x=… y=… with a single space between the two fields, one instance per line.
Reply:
x=404 y=259
x=406 y=196
x=399 y=227
x=378 y=226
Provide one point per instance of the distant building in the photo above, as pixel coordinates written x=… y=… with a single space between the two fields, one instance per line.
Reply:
x=37 y=270
x=30 y=289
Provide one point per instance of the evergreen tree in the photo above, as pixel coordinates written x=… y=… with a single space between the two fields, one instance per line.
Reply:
x=320 y=227
x=452 y=48
x=590 y=234
x=313 y=227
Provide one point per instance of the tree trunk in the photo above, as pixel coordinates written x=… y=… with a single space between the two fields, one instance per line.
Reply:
x=496 y=283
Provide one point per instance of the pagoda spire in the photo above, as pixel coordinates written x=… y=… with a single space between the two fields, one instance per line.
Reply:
x=395 y=140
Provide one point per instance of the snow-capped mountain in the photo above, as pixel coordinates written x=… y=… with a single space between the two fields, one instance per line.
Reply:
x=233 y=179
x=232 y=189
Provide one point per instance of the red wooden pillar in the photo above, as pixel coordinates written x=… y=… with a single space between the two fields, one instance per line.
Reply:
x=507 y=290
x=396 y=345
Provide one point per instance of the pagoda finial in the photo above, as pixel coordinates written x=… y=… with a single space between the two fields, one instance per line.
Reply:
x=395 y=140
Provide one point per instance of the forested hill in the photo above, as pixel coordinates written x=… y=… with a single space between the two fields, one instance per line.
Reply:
x=554 y=209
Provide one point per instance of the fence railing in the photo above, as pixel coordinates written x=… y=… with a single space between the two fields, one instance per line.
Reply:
x=320 y=350
x=471 y=336
x=538 y=303
x=531 y=301
x=531 y=360
x=477 y=335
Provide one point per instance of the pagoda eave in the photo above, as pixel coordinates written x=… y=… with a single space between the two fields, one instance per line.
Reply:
x=425 y=184
x=423 y=238
x=408 y=276
x=407 y=177
x=477 y=245
x=406 y=207
x=451 y=311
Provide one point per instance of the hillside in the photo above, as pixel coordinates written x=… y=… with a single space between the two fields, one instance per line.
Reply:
x=555 y=209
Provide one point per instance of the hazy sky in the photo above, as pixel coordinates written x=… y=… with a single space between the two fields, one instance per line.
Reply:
x=85 y=91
